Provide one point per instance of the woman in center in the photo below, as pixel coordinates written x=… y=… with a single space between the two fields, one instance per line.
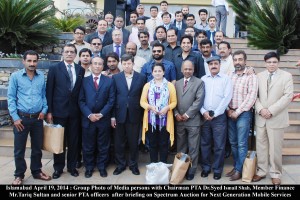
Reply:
x=158 y=99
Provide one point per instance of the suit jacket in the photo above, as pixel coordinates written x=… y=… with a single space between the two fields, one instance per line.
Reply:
x=107 y=40
x=190 y=100
x=62 y=101
x=128 y=100
x=276 y=100
x=125 y=33
x=183 y=25
x=96 y=101
x=110 y=48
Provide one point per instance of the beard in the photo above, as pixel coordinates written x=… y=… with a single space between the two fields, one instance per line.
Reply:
x=157 y=57
x=239 y=67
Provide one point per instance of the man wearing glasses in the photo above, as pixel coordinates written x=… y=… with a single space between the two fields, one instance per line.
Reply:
x=96 y=47
x=62 y=91
x=79 y=33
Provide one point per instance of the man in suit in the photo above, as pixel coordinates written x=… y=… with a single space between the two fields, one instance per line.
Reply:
x=211 y=32
x=117 y=46
x=130 y=6
x=62 y=91
x=275 y=92
x=102 y=33
x=96 y=101
x=127 y=114
x=190 y=96
x=119 y=24
x=179 y=22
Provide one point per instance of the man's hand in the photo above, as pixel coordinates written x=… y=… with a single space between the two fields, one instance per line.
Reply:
x=206 y=116
x=179 y=118
x=113 y=123
x=265 y=113
x=49 y=118
x=19 y=126
x=94 y=117
x=41 y=116
x=185 y=118
x=234 y=115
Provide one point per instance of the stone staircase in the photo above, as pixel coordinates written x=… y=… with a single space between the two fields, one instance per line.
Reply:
x=291 y=146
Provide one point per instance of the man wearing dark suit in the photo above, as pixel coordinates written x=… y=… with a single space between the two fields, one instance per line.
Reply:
x=96 y=100
x=190 y=97
x=62 y=91
x=127 y=114
x=102 y=33
x=119 y=24
x=116 y=46
x=130 y=6
x=179 y=22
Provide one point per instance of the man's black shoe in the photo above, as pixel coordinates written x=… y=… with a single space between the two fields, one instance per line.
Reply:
x=204 y=173
x=56 y=174
x=217 y=176
x=118 y=171
x=73 y=172
x=189 y=177
x=88 y=173
x=103 y=173
x=135 y=170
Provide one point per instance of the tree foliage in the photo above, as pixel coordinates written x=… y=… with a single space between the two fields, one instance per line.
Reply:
x=24 y=25
x=272 y=24
x=67 y=24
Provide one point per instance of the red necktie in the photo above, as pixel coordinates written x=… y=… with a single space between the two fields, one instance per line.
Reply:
x=95 y=82
x=185 y=84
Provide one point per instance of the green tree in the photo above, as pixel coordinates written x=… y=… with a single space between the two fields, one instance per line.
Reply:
x=273 y=24
x=67 y=24
x=24 y=25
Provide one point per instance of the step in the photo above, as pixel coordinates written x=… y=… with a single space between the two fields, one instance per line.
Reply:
x=235 y=40
x=295 y=103
x=291 y=140
x=285 y=58
x=291 y=155
x=294 y=127
x=294 y=113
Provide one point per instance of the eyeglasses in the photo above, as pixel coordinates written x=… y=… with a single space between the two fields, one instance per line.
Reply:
x=79 y=33
x=272 y=62
x=158 y=51
x=69 y=52
x=96 y=44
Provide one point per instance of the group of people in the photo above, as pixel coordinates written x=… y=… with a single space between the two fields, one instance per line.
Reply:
x=185 y=87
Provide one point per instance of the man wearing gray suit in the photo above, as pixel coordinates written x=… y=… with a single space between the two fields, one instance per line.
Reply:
x=190 y=97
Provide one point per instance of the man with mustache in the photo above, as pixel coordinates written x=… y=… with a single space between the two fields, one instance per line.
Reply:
x=27 y=106
x=218 y=93
x=206 y=51
x=227 y=66
x=239 y=112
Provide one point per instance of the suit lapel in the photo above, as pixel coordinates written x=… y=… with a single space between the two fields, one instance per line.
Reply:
x=275 y=78
x=134 y=79
x=188 y=85
x=63 y=68
x=123 y=79
x=101 y=82
x=91 y=82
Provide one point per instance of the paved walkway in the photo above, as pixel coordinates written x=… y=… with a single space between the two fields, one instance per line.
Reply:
x=291 y=175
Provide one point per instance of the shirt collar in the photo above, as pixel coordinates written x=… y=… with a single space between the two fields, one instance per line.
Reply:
x=99 y=76
x=68 y=64
x=25 y=73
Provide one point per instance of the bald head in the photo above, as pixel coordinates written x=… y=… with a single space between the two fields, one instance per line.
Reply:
x=131 y=48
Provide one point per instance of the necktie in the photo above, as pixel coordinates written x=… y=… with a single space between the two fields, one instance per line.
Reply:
x=118 y=50
x=179 y=26
x=95 y=82
x=185 y=84
x=70 y=76
x=211 y=38
x=270 y=79
x=154 y=25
